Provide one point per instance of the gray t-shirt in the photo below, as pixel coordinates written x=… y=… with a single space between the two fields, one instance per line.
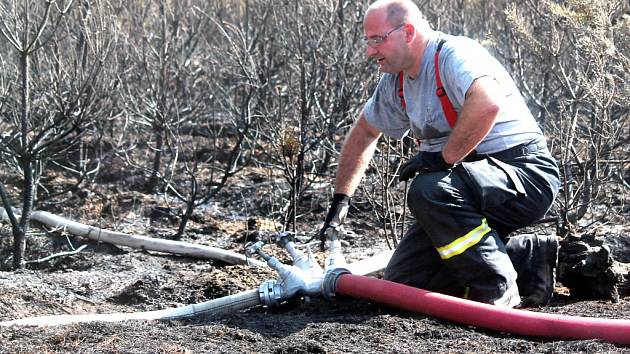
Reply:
x=461 y=61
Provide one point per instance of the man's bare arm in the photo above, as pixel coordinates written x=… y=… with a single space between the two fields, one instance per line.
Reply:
x=476 y=119
x=356 y=153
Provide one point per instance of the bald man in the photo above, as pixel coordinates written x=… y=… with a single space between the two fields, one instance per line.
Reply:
x=482 y=170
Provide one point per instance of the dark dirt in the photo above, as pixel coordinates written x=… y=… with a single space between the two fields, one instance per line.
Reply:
x=105 y=278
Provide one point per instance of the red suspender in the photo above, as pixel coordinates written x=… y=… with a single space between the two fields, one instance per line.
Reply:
x=401 y=93
x=447 y=106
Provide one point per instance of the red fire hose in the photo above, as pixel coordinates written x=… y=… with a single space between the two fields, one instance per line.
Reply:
x=481 y=315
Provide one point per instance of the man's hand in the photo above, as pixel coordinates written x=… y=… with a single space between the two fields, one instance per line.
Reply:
x=336 y=214
x=421 y=163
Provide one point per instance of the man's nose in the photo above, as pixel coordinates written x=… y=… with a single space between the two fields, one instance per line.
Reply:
x=370 y=52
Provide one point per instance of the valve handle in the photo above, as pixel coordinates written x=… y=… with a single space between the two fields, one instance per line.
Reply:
x=256 y=249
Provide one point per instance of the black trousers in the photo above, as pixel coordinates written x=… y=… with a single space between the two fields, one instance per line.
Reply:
x=460 y=243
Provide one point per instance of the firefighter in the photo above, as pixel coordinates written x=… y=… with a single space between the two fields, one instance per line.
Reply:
x=482 y=171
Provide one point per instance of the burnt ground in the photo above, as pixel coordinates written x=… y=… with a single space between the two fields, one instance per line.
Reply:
x=105 y=278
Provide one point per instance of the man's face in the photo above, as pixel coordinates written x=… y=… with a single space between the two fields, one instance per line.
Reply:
x=386 y=43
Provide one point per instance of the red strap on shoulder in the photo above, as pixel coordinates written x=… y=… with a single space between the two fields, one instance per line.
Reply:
x=447 y=106
x=401 y=92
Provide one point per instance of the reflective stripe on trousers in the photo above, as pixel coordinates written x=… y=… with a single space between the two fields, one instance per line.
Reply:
x=461 y=244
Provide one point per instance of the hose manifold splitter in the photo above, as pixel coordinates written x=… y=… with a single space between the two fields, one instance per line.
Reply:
x=304 y=277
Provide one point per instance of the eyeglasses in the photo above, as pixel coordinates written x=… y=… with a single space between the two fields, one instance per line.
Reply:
x=375 y=41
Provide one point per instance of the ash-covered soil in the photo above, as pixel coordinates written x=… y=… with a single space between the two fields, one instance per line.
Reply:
x=104 y=279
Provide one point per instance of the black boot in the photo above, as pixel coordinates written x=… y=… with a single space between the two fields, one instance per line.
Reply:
x=538 y=285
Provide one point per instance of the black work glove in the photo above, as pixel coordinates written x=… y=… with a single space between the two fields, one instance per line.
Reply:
x=336 y=214
x=421 y=163
x=474 y=156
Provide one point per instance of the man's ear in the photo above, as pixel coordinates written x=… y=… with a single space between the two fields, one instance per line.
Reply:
x=410 y=32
